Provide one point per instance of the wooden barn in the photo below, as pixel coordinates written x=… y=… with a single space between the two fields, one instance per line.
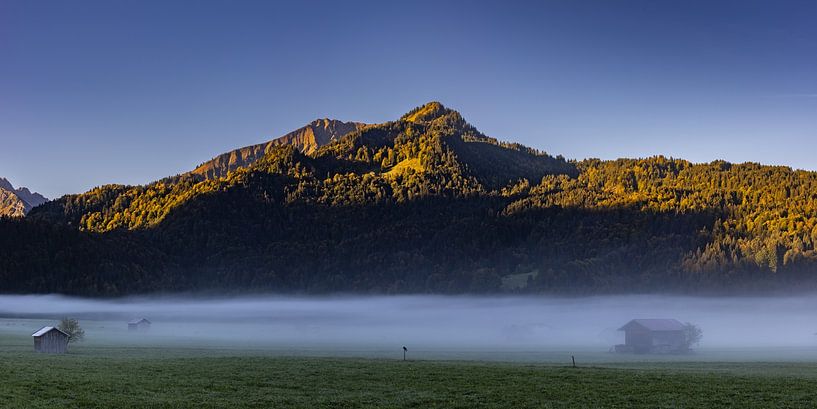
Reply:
x=50 y=340
x=653 y=336
x=141 y=324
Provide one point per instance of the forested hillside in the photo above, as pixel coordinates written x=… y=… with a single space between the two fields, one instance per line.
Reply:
x=426 y=203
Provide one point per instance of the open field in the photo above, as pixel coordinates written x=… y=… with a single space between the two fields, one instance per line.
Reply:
x=174 y=376
x=464 y=352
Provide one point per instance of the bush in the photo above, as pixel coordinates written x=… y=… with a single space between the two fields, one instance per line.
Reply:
x=693 y=334
x=71 y=327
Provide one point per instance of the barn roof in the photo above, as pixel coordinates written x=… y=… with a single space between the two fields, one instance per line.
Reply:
x=44 y=330
x=137 y=321
x=655 y=324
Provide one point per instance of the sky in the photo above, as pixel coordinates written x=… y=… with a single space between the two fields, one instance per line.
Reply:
x=97 y=92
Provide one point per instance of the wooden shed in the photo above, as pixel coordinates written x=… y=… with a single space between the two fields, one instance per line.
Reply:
x=141 y=324
x=50 y=340
x=653 y=336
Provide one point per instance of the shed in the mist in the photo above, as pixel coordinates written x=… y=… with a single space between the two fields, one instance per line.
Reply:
x=141 y=324
x=653 y=336
x=50 y=340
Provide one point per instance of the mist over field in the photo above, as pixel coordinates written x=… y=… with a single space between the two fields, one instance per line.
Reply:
x=420 y=322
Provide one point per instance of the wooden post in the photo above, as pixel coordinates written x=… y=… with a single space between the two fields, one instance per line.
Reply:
x=574 y=360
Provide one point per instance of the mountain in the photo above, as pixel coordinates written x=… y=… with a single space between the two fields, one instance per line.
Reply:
x=426 y=204
x=306 y=139
x=33 y=199
x=17 y=202
x=11 y=205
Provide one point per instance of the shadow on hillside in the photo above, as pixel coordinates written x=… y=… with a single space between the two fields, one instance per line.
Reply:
x=495 y=166
x=428 y=245
x=243 y=239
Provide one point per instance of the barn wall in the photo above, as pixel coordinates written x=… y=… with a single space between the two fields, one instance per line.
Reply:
x=52 y=342
x=671 y=339
x=640 y=340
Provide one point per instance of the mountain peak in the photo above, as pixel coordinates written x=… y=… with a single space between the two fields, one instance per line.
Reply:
x=427 y=112
x=323 y=122
x=306 y=139
x=331 y=128
x=17 y=202
x=5 y=184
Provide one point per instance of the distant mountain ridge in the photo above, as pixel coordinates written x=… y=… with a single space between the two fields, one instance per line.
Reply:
x=306 y=139
x=17 y=202
x=424 y=204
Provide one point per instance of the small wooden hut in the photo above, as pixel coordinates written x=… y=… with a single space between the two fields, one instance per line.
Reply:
x=653 y=336
x=141 y=324
x=50 y=340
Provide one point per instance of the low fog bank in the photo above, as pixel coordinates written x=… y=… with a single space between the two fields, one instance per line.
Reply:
x=423 y=321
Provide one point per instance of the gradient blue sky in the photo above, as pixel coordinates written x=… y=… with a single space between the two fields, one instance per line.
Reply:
x=131 y=91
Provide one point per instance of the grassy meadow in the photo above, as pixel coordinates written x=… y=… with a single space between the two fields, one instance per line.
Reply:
x=98 y=373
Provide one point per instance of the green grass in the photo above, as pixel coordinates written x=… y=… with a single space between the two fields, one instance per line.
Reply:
x=404 y=165
x=175 y=377
x=312 y=382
